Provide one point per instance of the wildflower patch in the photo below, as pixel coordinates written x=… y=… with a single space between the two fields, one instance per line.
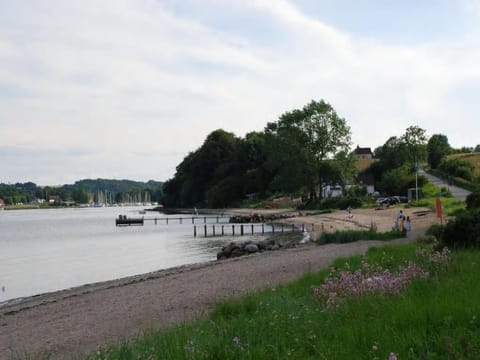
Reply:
x=369 y=279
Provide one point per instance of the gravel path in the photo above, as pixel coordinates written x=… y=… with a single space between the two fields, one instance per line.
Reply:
x=74 y=322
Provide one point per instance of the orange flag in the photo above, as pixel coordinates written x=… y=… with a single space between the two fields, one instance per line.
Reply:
x=439 y=207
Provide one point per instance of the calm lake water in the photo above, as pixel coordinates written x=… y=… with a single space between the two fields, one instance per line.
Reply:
x=54 y=249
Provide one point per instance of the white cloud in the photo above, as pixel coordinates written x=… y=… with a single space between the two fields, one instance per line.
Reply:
x=124 y=78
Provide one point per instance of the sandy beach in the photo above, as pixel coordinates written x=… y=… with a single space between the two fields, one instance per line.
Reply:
x=75 y=322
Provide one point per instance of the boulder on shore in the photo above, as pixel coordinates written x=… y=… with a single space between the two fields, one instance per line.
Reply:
x=250 y=247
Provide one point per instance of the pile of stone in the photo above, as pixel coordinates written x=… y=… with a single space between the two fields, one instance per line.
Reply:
x=249 y=247
x=259 y=218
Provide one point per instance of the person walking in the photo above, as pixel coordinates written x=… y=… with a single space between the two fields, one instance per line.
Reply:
x=408 y=224
x=398 y=220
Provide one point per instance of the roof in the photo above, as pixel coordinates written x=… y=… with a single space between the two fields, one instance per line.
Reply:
x=363 y=151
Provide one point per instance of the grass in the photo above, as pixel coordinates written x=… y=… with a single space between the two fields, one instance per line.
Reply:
x=346 y=236
x=438 y=318
x=450 y=206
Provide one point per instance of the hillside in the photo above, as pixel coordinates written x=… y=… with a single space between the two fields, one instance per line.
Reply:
x=473 y=158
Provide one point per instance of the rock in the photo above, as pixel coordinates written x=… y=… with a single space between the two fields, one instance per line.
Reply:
x=251 y=248
x=236 y=252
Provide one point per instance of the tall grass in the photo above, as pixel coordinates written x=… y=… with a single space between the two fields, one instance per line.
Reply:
x=430 y=192
x=346 y=236
x=438 y=318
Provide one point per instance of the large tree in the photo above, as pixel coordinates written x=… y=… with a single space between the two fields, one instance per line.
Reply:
x=437 y=148
x=415 y=142
x=307 y=138
x=208 y=176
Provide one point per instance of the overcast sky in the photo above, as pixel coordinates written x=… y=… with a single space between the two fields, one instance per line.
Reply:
x=124 y=89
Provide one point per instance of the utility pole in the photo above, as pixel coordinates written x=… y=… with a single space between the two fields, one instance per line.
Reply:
x=415 y=168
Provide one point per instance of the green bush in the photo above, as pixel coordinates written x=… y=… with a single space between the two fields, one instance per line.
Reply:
x=473 y=200
x=436 y=230
x=341 y=203
x=464 y=231
x=347 y=236
x=398 y=181
x=458 y=167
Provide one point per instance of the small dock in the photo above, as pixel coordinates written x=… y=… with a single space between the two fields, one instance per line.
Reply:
x=122 y=220
x=214 y=226
x=244 y=229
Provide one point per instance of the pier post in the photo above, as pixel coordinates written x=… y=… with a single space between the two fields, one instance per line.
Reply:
x=217 y=219
x=241 y=229
x=181 y=219
x=303 y=227
x=213 y=229
x=233 y=229
x=263 y=229
x=273 y=229
x=204 y=219
x=167 y=220
x=193 y=220
x=223 y=233
x=205 y=230
x=252 y=229
x=155 y=221
x=282 y=227
x=195 y=231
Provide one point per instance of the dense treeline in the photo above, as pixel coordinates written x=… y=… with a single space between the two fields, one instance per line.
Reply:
x=81 y=191
x=303 y=150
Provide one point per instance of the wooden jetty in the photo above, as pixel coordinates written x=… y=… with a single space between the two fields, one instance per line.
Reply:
x=210 y=226
x=218 y=219
x=244 y=229
x=122 y=220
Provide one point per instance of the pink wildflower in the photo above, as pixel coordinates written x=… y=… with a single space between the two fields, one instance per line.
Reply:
x=392 y=356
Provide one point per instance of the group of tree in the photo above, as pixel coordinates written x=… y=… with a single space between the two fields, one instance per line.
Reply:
x=454 y=166
x=399 y=158
x=298 y=154
x=304 y=149
x=82 y=192
x=397 y=161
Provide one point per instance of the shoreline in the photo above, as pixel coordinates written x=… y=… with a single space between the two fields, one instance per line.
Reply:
x=22 y=303
x=313 y=227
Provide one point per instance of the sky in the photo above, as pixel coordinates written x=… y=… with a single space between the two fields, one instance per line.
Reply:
x=125 y=89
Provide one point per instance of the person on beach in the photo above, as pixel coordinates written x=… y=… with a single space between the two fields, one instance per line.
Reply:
x=398 y=220
x=408 y=224
x=350 y=215
x=403 y=228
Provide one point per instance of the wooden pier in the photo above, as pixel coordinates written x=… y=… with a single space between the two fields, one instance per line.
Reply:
x=244 y=229
x=123 y=220
x=191 y=219
x=213 y=226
